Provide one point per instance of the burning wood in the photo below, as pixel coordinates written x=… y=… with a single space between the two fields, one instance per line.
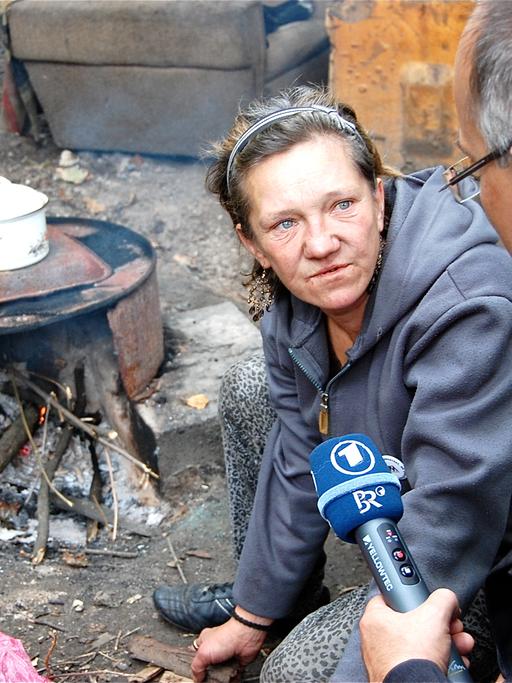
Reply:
x=15 y=436
x=84 y=426
x=49 y=457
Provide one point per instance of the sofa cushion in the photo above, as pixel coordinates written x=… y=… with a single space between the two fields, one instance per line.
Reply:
x=183 y=33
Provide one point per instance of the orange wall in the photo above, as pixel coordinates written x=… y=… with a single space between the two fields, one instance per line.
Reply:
x=392 y=60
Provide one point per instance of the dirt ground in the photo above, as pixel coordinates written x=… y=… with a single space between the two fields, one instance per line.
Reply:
x=87 y=613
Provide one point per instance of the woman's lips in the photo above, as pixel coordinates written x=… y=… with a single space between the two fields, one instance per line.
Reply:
x=329 y=271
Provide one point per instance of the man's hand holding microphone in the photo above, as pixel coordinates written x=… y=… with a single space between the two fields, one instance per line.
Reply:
x=390 y=639
x=360 y=499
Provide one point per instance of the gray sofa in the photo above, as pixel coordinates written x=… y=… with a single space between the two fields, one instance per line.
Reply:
x=157 y=76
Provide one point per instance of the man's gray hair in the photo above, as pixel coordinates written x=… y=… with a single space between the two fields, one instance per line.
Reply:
x=491 y=71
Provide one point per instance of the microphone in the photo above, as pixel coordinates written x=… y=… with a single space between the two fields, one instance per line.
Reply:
x=360 y=499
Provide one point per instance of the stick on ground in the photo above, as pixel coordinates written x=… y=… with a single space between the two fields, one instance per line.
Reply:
x=84 y=507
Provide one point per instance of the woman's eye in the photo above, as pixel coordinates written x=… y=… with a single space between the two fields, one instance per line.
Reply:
x=286 y=224
x=344 y=205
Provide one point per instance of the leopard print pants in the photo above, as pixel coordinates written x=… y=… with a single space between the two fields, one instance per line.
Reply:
x=246 y=418
x=311 y=651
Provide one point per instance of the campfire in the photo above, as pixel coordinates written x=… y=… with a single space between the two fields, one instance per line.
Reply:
x=80 y=342
x=39 y=438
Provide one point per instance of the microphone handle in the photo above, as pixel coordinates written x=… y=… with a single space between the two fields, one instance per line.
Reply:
x=398 y=578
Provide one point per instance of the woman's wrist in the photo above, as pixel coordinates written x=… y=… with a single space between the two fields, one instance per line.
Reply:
x=251 y=620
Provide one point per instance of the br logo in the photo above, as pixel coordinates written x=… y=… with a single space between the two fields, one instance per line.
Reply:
x=366 y=498
x=352 y=457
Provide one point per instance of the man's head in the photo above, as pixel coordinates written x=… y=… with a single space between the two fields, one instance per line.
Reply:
x=483 y=96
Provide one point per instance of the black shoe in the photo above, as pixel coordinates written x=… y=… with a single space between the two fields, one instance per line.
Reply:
x=195 y=607
x=199 y=606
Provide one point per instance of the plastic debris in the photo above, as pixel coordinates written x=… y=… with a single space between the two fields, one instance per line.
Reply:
x=15 y=664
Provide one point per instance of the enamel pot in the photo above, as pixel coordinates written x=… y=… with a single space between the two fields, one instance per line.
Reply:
x=23 y=234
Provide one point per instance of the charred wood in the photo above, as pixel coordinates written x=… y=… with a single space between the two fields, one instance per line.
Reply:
x=43 y=501
x=15 y=436
x=53 y=461
x=86 y=508
x=94 y=492
x=126 y=554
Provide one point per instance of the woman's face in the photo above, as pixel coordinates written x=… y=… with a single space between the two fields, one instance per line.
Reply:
x=316 y=223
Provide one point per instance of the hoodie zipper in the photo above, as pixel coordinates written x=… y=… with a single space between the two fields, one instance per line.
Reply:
x=323 y=415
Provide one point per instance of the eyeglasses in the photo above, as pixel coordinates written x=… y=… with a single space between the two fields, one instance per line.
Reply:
x=460 y=179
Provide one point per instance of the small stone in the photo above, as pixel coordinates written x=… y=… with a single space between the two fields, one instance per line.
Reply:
x=67 y=159
x=77 y=605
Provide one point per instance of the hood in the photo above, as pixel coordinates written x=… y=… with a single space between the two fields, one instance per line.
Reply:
x=427 y=232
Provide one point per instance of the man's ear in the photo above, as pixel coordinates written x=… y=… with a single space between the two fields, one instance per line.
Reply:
x=252 y=247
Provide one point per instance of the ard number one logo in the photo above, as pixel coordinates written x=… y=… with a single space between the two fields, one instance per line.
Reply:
x=352 y=457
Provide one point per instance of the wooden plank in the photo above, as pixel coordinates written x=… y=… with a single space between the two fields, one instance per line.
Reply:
x=148 y=673
x=170 y=677
x=178 y=660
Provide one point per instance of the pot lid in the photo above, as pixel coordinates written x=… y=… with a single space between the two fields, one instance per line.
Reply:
x=19 y=200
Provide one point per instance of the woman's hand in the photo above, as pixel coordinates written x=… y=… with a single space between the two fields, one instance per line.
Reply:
x=221 y=643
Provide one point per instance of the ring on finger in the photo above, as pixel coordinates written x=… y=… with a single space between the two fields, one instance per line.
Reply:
x=195 y=644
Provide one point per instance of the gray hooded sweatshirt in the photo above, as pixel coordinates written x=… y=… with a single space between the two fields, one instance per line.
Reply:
x=427 y=379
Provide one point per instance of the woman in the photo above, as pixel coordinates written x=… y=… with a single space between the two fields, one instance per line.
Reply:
x=387 y=312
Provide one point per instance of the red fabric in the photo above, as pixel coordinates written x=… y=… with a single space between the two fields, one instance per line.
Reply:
x=15 y=664
x=20 y=108
x=13 y=113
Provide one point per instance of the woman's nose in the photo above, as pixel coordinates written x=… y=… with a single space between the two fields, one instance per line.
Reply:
x=319 y=240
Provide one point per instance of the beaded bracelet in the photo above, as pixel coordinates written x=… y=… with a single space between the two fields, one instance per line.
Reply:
x=251 y=624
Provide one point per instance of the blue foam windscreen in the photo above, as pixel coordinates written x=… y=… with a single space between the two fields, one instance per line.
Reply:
x=354 y=484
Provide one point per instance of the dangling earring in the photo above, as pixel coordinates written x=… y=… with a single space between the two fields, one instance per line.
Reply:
x=378 y=265
x=261 y=295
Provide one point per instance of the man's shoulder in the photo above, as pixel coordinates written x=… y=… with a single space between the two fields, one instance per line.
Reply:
x=484 y=270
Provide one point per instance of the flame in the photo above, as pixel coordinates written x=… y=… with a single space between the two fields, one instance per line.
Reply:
x=42 y=414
